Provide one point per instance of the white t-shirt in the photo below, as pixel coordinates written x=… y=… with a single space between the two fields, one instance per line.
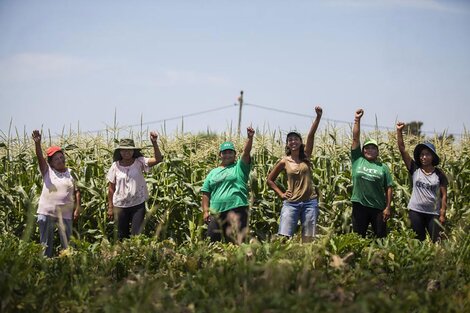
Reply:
x=57 y=197
x=131 y=188
x=426 y=194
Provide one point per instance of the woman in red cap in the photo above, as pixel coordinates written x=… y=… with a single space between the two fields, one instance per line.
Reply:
x=60 y=198
x=428 y=202
x=300 y=198
x=372 y=185
x=127 y=189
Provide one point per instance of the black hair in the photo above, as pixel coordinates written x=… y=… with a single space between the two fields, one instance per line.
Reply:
x=303 y=157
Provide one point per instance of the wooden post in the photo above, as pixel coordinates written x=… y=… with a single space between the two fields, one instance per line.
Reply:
x=240 y=102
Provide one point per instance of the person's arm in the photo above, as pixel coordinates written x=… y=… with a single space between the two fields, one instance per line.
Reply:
x=442 y=213
x=111 y=190
x=312 y=131
x=157 y=155
x=37 y=144
x=271 y=180
x=388 y=200
x=206 y=198
x=401 y=146
x=246 y=158
x=76 y=212
x=357 y=129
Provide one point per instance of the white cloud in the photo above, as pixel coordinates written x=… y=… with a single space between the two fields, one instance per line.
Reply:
x=33 y=66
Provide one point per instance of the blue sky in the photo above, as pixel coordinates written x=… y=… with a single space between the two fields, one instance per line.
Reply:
x=69 y=62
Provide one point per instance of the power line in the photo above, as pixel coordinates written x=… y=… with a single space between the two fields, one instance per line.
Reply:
x=259 y=107
x=311 y=116
x=337 y=121
x=169 y=118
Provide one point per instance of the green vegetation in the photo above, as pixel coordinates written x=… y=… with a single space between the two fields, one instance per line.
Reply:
x=171 y=268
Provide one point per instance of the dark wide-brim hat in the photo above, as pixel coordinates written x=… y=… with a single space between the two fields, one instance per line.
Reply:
x=430 y=147
x=126 y=144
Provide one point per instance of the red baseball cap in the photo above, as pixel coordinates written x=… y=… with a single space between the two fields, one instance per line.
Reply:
x=52 y=150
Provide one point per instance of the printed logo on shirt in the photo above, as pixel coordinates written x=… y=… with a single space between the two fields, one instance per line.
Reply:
x=370 y=174
x=220 y=177
x=426 y=186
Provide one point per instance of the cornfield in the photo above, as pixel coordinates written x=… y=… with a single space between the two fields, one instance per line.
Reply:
x=172 y=268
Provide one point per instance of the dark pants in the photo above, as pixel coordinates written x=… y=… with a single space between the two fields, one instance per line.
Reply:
x=420 y=222
x=362 y=216
x=130 y=220
x=230 y=225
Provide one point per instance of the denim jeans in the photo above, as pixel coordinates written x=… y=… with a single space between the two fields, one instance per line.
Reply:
x=306 y=211
x=46 y=232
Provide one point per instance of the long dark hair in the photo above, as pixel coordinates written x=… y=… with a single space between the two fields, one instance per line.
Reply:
x=303 y=157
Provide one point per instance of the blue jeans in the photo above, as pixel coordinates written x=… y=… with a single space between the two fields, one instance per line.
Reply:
x=306 y=211
x=46 y=232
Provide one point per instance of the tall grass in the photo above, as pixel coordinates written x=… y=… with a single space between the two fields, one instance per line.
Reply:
x=170 y=268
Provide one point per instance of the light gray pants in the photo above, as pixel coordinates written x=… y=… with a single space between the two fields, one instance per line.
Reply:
x=46 y=232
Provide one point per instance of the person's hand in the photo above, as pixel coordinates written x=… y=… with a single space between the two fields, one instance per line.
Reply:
x=76 y=214
x=386 y=214
x=442 y=219
x=206 y=216
x=110 y=213
x=153 y=137
x=250 y=132
x=319 y=111
x=36 y=136
x=286 y=195
x=359 y=114
x=400 y=126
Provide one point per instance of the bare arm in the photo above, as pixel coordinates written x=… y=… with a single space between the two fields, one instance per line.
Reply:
x=442 y=213
x=111 y=190
x=37 y=144
x=312 y=131
x=271 y=180
x=206 y=198
x=401 y=146
x=78 y=198
x=357 y=129
x=248 y=145
x=388 y=200
x=157 y=155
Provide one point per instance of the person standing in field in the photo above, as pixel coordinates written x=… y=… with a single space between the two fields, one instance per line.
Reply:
x=428 y=202
x=59 y=202
x=372 y=185
x=127 y=189
x=225 y=193
x=300 y=198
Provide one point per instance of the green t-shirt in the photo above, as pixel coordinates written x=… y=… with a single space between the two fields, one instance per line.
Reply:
x=370 y=181
x=227 y=186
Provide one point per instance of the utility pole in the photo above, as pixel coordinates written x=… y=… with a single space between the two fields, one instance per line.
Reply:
x=240 y=103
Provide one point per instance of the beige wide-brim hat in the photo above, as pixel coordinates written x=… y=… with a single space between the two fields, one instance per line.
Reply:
x=126 y=144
